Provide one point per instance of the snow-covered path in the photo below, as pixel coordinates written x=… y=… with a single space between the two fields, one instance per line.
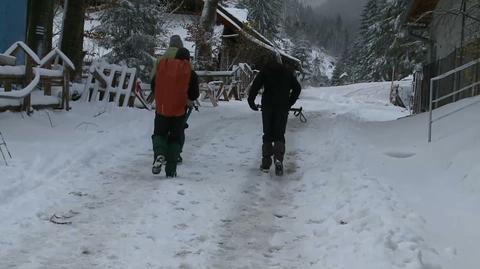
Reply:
x=334 y=208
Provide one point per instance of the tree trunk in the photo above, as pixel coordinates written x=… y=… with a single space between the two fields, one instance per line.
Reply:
x=207 y=21
x=72 y=34
x=39 y=36
x=40 y=26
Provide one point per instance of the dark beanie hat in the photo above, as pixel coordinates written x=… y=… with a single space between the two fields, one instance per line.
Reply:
x=176 y=41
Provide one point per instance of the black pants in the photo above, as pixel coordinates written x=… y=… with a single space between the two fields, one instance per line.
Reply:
x=274 y=125
x=173 y=128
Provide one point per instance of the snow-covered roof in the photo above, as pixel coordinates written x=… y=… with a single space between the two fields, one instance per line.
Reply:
x=254 y=36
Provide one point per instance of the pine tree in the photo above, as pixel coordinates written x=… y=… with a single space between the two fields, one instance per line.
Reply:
x=264 y=15
x=339 y=71
x=380 y=47
x=301 y=51
x=131 y=29
x=370 y=32
x=403 y=52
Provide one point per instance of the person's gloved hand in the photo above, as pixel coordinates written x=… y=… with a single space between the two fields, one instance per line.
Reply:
x=291 y=103
x=252 y=104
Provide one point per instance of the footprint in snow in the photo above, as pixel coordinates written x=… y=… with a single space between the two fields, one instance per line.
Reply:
x=181 y=192
x=399 y=154
x=181 y=226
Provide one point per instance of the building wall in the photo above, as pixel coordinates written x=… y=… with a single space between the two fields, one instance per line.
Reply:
x=13 y=22
x=446 y=29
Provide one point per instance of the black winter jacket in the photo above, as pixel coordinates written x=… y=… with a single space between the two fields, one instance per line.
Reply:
x=281 y=88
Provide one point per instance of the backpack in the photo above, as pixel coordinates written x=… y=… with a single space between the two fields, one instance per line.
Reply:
x=171 y=87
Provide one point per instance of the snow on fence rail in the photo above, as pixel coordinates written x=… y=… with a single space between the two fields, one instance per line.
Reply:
x=18 y=94
x=227 y=84
x=14 y=49
x=109 y=83
x=35 y=72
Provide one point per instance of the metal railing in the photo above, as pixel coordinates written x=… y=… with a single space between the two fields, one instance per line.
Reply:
x=453 y=94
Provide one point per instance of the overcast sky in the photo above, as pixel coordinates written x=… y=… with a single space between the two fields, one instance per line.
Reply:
x=315 y=2
x=350 y=10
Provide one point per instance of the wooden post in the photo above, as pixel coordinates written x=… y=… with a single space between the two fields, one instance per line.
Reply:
x=66 y=90
x=27 y=101
x=47 y=87
x=8 y=86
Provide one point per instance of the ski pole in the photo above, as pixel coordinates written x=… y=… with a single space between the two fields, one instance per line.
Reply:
x=297 y=112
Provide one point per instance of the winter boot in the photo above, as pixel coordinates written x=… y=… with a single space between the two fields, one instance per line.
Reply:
x=159 y=153
x=278 y=155
x=267 y=152
x=278 y=168
x=157 y=165
x=172 y=159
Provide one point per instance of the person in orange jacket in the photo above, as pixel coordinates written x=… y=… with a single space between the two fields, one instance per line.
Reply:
x=175 y=84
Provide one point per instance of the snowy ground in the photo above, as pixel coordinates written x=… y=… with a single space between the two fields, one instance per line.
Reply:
x=362 y=190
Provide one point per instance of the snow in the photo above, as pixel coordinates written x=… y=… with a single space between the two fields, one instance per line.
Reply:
x=177 y=25
x=268 y=46
x=230 y=3
x=362 y=189
x=327 y=62
x=25 y=91
x=56 y=52
x=364 y=101
x=95 y=51
x=19 y=44
x=49 y=72
x=7 y=59
x=37 y=99
x=12 y=70
x=239 y=13
x=90 y=44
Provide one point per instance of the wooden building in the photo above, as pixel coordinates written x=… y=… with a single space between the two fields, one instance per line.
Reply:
x=451 y=28
x=240 y=42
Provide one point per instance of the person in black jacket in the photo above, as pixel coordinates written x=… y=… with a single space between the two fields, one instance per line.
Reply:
x=281 y=91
